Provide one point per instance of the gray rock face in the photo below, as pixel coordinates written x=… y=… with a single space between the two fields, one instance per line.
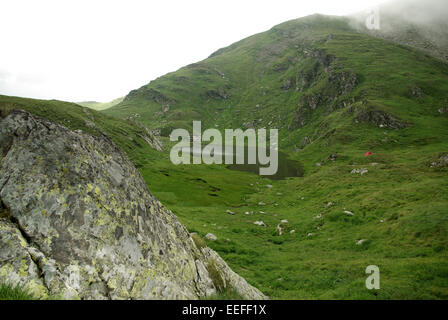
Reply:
x=379 y=118
x=77 y=220
x=441 y=162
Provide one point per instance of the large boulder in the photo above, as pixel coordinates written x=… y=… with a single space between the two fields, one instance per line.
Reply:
x=77 y=220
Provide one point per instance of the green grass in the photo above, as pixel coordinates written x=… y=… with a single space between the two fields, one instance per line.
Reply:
x=14 y=292
x=401 y=190
x=99 y=106
x=198 y=241
x=400 y=206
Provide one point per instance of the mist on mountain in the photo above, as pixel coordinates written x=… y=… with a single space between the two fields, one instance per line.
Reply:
x=419 y=24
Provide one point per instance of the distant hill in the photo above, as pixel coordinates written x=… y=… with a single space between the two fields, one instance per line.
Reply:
x=99 y=106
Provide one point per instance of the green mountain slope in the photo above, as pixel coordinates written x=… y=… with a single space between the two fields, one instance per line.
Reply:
x=99 y=106
x=333 y=93
x=129 y=135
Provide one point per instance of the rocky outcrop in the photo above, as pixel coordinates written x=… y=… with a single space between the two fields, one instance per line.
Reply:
x=150 y=94
x=441 y=162
x=379 y=118
x=218 y=94
x=323 y=85
x=150 y=136
x=77 y=220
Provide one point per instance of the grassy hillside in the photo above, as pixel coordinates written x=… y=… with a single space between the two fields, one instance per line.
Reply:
x=99 y=106
x=334 y=94
x=125 y=133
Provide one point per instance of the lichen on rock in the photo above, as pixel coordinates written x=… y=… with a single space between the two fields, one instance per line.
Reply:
x=82 y=224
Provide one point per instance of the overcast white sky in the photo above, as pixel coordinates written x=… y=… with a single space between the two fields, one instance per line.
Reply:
x=100 y=50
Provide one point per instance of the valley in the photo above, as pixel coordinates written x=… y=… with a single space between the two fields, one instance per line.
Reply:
x=334 y=93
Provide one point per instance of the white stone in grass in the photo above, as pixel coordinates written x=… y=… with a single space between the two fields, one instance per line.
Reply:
x=211 y=237
x=279 y=230
x=361 y=171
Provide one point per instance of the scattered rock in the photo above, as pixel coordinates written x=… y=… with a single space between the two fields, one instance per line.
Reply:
x=90 y=124
x=310 y=234
x=230 y=212
x=260 y=223
x=219 y=94
x=441 y=162
x=292 y=231
x=279 y=229
x=360 y=242
x=284 y=221
x=269 y=186
x=319 y=216
x=286 y=85
x=417 y=92
x=261 y=203
x=211 y=237
x=361 y=171
x=349 y=213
